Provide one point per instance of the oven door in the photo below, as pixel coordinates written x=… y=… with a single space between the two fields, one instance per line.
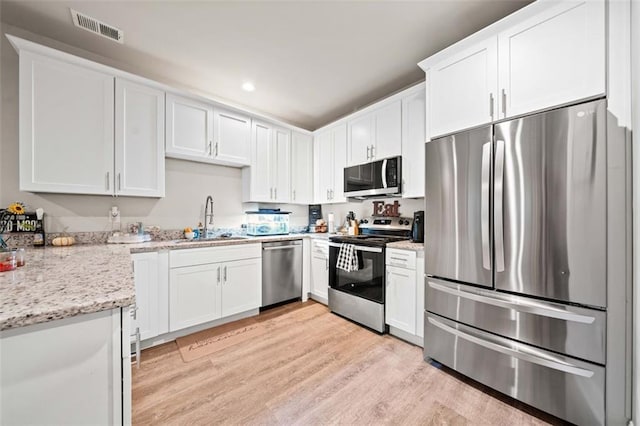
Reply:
x=368 y=281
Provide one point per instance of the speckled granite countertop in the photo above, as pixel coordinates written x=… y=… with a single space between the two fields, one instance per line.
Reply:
x=407 y=245
x=61 y=282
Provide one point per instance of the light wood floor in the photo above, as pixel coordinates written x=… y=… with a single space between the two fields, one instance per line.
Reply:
x=315 y=369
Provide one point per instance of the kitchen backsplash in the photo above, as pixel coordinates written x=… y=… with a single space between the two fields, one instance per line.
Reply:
x=100 y=237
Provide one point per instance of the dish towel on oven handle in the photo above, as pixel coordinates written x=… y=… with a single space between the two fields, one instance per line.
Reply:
x=347 y=258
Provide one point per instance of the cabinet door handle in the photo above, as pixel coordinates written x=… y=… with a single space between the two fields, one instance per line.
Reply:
x=271 y=193
x=504 y=103
x=225 y=274
x=293 y=195
x=209 y=148
x=138 y=347
x=216 y=149
x=275 y=193
x=119 y=182
x=491 y=105
x=327 y=194
x=332 y=194
x=368 y=149
x=218 y=275
x=107 y=181
x=373 y=153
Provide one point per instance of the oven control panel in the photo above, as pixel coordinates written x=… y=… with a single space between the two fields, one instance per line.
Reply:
x=387 y=223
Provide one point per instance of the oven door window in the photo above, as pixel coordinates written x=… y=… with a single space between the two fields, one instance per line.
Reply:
x=367 y=282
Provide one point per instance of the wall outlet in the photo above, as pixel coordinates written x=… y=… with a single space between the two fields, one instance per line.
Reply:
x=114 y=215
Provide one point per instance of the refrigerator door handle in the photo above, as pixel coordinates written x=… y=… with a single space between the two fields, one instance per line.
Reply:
x=519 y=352
x=499 y=206
x=484 y=205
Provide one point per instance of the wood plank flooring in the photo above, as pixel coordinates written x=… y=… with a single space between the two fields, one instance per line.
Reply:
x=313 y=368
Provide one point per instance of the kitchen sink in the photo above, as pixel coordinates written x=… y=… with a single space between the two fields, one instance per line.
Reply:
x=209 y=239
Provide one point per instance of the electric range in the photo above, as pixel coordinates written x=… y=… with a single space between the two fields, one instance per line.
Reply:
x=359 y=295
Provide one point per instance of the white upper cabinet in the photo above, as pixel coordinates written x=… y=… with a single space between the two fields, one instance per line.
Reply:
x=552 y=58
x=66 y=127
x=388 y=131
x=232 y=141
x=360 y=132
x=268 y=179
x=301 y=168
x=281 y=171
x=85 y=132
x=339 y=134
x=198 y=131
x=330 y=153
x=189 y=128
x=323 y=166
x=544 y=55
x=413 y=140
x=375 y=135
x=139 y=140
x=463 y=88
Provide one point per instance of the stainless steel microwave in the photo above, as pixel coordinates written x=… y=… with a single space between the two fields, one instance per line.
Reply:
x=378 y=178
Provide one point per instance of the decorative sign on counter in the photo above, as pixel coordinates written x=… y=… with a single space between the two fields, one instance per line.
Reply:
x=27 y=222
x=386 y=210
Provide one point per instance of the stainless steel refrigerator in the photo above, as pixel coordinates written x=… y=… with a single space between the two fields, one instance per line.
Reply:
x=516 y=258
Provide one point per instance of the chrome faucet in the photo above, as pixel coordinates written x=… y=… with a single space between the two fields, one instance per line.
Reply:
x=208 y=217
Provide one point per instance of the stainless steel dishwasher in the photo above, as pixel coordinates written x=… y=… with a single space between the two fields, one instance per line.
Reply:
x=281 y=271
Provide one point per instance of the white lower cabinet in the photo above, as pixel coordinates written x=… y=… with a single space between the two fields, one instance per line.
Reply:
x=75 y=370
x=239 y=290
x=319 y=270
x=206 y=284
x=404 y=297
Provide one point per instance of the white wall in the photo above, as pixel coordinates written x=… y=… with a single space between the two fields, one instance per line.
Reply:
x=187 y=183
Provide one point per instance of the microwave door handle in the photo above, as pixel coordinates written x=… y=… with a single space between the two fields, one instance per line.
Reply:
x=384 y=173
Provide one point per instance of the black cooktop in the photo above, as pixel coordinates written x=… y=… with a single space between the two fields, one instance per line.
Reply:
x=368 y=240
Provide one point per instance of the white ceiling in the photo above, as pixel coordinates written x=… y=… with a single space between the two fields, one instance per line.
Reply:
x=311 y=61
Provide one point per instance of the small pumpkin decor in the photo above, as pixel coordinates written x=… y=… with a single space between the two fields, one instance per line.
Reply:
x=63 y=240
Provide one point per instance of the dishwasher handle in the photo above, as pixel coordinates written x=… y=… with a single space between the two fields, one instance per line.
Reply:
x=280 y=248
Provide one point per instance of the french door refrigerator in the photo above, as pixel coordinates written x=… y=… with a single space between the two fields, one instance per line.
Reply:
x=515 y=258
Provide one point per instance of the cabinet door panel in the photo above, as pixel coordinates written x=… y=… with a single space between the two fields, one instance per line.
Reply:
x=462 y=88
x=361 y=132
x=281 y=168
x=194 y=295
x=232 y=142
x=241 y=286
x=324 y=173
x=261 y=162
x=555 y=57
x=400 y=306
x=145 y=275
x=66 y=127
x=413 y=140
x=388 y=125
x=301 y=168
x=320 y=276
x=139 y=142
x=339 y=162
x=189 y=124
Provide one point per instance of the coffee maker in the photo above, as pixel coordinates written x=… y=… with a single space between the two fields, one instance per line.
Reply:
x=417 y=231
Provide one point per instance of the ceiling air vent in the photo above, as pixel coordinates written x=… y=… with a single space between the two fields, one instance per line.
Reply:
x=97 y=27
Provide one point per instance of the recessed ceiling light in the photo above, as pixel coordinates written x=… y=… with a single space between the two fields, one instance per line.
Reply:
x=248 y=86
